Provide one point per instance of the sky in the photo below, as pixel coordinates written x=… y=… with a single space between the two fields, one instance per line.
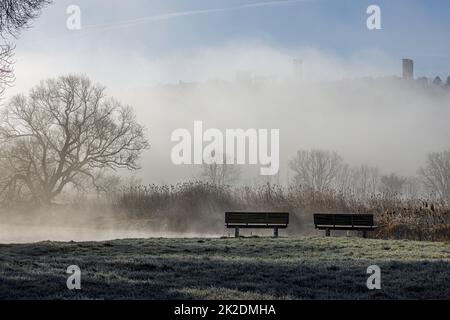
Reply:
x=131 y=46
x=161 y=30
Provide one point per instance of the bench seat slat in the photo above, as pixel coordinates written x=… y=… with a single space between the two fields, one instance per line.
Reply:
x=344 y=221
x=257 y=217
x=257 y=220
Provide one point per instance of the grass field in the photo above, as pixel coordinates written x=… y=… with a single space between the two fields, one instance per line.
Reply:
x=227 y=268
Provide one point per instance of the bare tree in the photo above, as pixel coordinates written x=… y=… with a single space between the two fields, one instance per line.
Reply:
x=366 y=180
x=107 y=184
x=436 y=174
x=6 y=69
x=17 y=14
x=344 y=181
x=220 y=173
x=62 y=133
x=14 y=16
x=317 y=169
x=361 y=182
x=412 y=188
x=392 y=184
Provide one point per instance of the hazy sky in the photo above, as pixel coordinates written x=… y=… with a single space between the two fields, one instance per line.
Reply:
x=161 y=31
x=132 y=45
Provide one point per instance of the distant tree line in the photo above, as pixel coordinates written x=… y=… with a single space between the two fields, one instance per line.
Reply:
x=322 y=170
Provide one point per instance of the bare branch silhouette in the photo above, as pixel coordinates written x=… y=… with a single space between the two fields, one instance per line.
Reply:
x=15 y=15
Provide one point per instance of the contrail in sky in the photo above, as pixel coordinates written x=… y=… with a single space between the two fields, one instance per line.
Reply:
x=174 y=15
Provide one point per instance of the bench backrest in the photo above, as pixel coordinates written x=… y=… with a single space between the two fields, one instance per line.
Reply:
x=343 y=219
x=271 y=218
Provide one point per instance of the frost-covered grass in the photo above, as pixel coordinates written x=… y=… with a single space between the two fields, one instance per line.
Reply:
x=227 y=268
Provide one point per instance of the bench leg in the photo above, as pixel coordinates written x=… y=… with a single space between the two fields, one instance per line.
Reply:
x=327 y=232
x=365 y=234
x=236 y=232
x=275 y=232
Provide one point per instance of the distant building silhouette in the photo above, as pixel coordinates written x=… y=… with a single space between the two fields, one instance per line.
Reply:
x=438 y=81
x=408 y=69
x=423 y=82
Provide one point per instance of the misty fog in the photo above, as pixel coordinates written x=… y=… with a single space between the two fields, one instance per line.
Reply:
x=385 y=123
x=358 y=107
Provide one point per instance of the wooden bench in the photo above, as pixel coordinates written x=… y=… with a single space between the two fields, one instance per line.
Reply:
x=344 y=221
x=258 y=220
